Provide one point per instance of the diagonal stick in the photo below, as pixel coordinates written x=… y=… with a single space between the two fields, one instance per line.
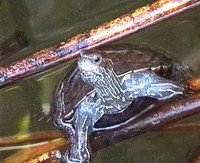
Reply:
x=101 y=35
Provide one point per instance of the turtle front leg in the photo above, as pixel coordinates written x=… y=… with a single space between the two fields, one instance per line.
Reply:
x=66 y=125
x=88 y=112
x=147 y=83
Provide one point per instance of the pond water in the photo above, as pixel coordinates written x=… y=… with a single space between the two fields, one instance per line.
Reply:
x=48 y=22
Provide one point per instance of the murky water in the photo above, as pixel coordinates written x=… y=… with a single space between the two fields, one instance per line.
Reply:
x=47 y=22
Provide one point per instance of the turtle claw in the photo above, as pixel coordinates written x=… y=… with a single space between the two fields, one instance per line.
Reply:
x=76 y=155
x=180 y=72
x=65 y=125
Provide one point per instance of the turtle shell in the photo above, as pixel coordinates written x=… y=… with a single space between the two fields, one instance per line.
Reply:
x=72 y=89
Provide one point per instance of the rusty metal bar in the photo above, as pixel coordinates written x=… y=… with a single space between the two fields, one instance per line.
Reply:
x=108 y=32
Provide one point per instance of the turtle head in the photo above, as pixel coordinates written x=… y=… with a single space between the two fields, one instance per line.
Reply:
x=94 y=67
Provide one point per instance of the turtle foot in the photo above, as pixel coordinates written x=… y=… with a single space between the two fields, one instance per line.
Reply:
x=77 y=155
x=70 y=160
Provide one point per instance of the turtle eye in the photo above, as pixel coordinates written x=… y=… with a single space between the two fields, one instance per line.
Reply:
x=97 y=59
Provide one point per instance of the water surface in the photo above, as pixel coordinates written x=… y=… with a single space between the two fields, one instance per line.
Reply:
x=48 y=22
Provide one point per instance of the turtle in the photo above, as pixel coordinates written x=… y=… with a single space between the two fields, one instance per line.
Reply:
x=107 y=86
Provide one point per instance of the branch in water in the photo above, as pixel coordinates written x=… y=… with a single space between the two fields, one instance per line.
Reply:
x=154 y=119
